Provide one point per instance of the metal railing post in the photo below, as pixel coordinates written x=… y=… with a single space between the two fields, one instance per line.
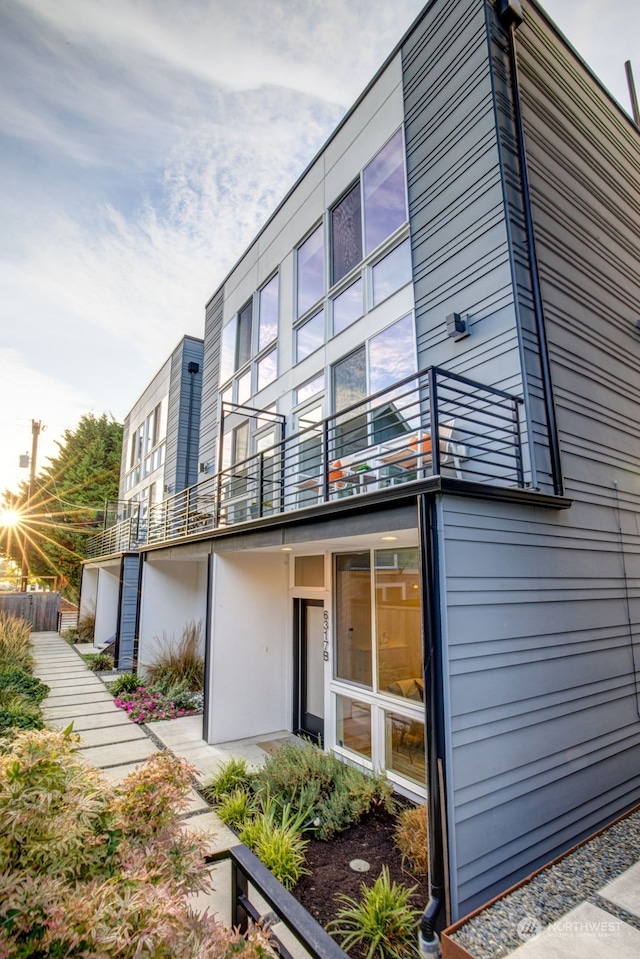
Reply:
x=517 y=444
x=239 y=890
x=261 y=484
x=325 y=461
x=434 y=421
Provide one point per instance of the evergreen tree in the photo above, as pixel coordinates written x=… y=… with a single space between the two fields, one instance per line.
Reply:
x=69 y=498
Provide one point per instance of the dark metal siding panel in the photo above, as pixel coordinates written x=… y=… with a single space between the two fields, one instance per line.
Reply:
x=459 y=239
x=129 y=600
x=210 y=384
x=178 y=418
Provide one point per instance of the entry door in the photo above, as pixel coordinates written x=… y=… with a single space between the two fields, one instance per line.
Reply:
x=309 y=649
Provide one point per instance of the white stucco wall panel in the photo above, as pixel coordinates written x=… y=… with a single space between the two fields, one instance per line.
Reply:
x=250 y=651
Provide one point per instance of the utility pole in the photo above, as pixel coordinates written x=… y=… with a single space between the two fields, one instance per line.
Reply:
x=36 y=427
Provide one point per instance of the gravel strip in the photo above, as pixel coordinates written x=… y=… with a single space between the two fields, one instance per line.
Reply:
x=577 y=878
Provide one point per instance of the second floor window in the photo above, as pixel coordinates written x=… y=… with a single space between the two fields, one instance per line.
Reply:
x=373 y=209
x=310 y=271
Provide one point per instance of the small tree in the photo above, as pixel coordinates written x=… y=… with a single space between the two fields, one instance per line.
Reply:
x=67 y=504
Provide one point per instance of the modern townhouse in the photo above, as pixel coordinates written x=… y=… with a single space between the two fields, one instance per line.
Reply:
x=159 y=458
x=414 y=534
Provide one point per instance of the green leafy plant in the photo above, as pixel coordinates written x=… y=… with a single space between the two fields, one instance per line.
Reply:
x=382 y=922
x=411 y=837
x=20 y=692
x=89 y=869
x=181 y=660
x=232 y=774
x=325 y=789
x=17 y=681
x=99 y=662
x=236 y=808
x=125 y=683
x=275 y=837
x=84 y=632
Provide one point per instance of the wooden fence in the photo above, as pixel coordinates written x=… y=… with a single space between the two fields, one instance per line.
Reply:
x=40 y=609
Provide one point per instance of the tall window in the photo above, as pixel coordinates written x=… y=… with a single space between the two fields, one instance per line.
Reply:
x=371 y=211
x=384 y=360
x=379 y=653
x=346 y=234
x=245 y=330
x=268 y=313
x=385 y=202
x=228 y=349
x=310 y=271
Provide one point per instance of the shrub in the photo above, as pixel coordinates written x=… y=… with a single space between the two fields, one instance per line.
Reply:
x=84 y=632
x=236 y=808
x=179 y=693
x=382 y=922
x=231 y=775
x=411 y=837
x=17 y=681
x=17 y=712
x=275 y=837
x=87 y=869
x=99 y=662
x=180 y=661
x=15 y=648
x=146 y=704
x=125 y=683
x=323 y=787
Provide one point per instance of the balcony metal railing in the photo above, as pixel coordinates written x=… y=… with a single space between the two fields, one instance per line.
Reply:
x=380 y=442
x=120 y=538
x=250 y=877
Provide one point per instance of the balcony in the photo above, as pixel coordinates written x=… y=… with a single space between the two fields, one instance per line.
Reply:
x=434 y=423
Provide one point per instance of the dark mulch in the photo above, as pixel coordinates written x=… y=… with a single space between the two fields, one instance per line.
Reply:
x=329 y=871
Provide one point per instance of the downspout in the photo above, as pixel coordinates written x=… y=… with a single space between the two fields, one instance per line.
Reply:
x=428 y=939
x=510 y=13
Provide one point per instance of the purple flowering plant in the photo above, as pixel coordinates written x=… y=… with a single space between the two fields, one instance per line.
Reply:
x=148 y=703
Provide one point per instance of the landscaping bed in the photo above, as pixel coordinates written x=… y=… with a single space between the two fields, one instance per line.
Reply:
x=330 y=873
x=306 y=815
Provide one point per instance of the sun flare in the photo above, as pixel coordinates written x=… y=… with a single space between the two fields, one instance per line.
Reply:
x=10 y=517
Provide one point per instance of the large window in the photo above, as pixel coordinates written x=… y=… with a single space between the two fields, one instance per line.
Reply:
x=310 y=272
x=268 y=313
x=373 y=209
x=346 y=234
x=245 y=335
x=385 y=201
x=379 y=650
x=310 y=336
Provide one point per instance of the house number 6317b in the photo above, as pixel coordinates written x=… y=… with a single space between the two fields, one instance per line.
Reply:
x=325 y=627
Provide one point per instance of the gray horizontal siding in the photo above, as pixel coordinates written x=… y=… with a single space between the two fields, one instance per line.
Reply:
x=544 y=734
x=180 y=421
x=584 y=165
x=210 y=384
x=459 y=238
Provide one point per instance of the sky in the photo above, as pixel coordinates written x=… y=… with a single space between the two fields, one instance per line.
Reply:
x=142 y=145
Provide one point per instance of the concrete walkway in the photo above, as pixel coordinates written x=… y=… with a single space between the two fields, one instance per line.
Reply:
x=114 y=744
